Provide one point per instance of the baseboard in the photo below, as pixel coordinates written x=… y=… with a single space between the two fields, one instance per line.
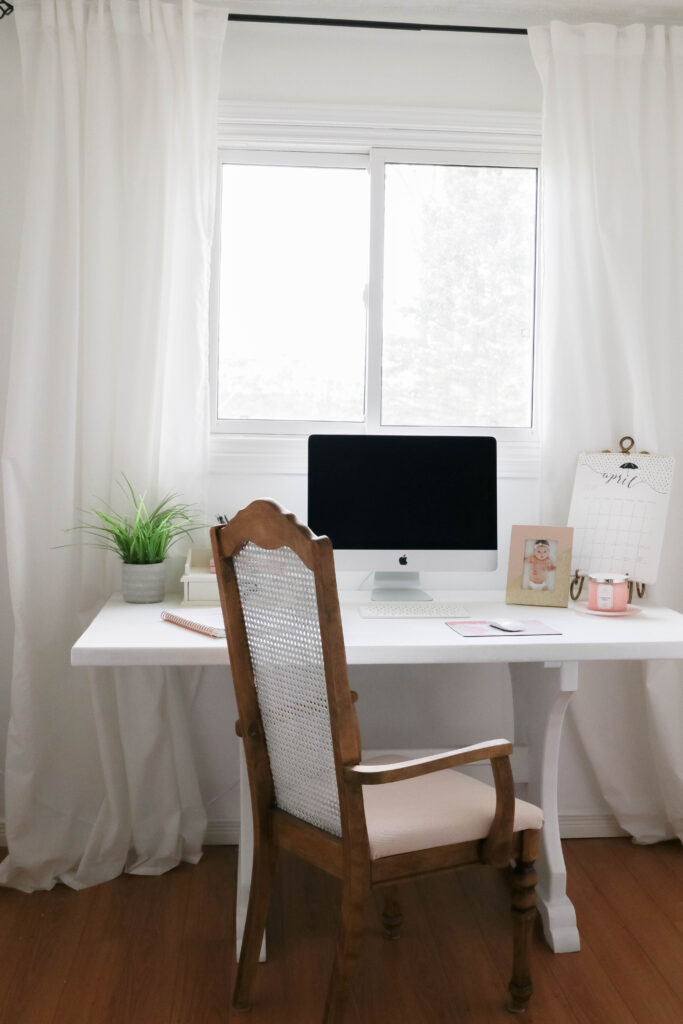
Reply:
x=590 y=826
x=223 y=832
x=226 y=831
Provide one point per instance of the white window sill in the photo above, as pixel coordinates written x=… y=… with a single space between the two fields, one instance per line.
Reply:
x=287 y=455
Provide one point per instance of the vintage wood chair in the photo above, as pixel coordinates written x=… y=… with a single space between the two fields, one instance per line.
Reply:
x=367 y=824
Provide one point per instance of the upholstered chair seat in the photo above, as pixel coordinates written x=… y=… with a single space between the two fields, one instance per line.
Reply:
x=441 y=809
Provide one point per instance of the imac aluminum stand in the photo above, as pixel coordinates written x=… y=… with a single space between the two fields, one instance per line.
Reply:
x=398 y=586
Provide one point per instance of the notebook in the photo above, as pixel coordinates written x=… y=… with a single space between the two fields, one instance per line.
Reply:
x=208 y=621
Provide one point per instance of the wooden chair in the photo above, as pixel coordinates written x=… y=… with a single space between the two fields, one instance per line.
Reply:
x=367 y=824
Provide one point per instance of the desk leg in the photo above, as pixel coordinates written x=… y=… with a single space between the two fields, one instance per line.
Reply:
x=245 y=856
x=540 y=694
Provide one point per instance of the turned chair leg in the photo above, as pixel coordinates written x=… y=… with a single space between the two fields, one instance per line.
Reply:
x=392 y=915
x=523 y=915
x=260 y=890
x=354 y=893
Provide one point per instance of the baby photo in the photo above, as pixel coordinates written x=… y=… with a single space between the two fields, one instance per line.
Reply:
x=539 y=564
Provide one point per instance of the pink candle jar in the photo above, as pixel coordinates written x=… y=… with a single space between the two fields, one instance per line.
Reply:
x=607 y=593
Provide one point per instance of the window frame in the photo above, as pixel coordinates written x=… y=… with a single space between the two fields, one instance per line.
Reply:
x=498 y=139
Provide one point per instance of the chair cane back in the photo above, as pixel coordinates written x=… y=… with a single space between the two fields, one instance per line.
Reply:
x=373 y=824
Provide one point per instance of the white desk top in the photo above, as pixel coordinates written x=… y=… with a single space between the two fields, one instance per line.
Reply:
x=134 y=634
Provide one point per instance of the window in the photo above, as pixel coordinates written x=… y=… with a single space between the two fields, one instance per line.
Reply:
x=458 y=287
x=388 y=291
x=293 y=289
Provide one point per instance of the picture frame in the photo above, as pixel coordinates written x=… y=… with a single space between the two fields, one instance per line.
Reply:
x=539 y=568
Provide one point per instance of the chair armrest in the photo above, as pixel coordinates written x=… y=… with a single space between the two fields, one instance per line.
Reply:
x=496 y=849
x=377 y=774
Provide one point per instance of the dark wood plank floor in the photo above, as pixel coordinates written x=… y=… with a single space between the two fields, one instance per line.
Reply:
x=160 y=950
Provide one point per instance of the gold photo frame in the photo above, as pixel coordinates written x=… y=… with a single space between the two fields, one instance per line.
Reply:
x=539 y=568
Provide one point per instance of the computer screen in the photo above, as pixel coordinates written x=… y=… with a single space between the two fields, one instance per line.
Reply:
x=405 y=504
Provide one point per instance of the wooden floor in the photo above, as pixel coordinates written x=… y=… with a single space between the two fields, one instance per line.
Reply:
x=160 y=950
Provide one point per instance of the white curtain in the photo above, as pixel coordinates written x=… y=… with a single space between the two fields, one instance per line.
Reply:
x=611 y=315
x=108 y=374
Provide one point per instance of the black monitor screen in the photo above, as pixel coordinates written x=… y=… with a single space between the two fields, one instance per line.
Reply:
x=390 y=492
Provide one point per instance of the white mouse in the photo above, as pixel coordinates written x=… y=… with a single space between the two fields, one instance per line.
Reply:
x=507 y=625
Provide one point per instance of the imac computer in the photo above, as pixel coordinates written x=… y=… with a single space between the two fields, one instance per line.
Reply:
x=396 y=505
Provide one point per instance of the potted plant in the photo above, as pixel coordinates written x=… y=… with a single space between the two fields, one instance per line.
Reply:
x=141 y=538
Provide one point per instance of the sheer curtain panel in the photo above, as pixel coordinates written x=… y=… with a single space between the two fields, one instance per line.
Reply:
x=108 y=374
x=612 y=308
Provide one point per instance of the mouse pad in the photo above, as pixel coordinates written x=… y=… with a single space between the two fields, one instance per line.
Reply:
x=532 y=627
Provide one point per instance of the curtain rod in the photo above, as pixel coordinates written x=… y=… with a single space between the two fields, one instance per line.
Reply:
x=405 y=26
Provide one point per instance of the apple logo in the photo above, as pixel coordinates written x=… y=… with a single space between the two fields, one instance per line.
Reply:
x=403 y=560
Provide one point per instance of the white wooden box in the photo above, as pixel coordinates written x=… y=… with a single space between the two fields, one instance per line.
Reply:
x=200 y=586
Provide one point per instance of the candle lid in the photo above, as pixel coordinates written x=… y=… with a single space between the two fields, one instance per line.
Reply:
x=608 y=577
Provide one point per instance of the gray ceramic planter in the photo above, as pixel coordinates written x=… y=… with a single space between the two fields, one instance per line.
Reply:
x=143 y=584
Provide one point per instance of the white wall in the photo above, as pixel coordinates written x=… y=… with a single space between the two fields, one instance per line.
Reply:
x=287 y=64
x=307 y=64
x=357 y=70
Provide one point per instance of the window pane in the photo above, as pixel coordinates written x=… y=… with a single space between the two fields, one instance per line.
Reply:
x=294 y=266
x=459 y=258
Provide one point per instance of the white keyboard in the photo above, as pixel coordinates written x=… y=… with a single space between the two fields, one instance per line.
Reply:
x=412 y=610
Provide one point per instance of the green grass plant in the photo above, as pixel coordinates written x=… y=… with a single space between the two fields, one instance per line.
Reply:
x=139 y=536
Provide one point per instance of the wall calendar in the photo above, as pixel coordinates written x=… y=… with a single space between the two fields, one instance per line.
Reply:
x=618 y=511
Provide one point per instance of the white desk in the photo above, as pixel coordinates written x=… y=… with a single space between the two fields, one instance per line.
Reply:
x=543 y=669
